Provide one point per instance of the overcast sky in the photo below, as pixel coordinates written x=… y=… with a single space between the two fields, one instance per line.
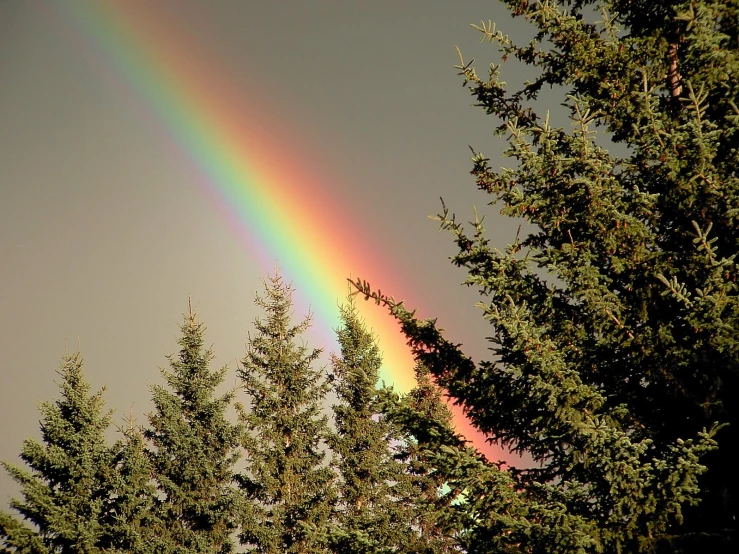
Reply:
x=104 y=232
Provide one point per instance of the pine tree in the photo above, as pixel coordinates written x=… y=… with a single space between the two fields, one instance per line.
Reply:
x=615 y=319
x=375 y=510
x=132 y=522
x=426 y=403
x=288 y=485
x=195 y=448
x=68 y=489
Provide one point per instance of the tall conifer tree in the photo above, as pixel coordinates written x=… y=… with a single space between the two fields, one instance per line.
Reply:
x=611 y=371
x=195 y=448
x=67 y=492
x=289 y=488
x=375 y=512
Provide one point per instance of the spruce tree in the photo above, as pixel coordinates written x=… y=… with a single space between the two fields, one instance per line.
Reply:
x=67 y=492
x=375 y=512
x=615 y=318
x=132 y=522
x=425 y=402
x=195 y=448
x=288 y=486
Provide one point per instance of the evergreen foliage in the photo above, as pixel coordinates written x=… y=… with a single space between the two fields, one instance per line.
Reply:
x=132 y=522
x=67 y=492
x=615 y=319
x=288 y=486
x=374 y=512
x=425 y=401
x=195 y=449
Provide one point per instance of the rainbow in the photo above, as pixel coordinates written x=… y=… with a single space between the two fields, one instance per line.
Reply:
x=268 y=194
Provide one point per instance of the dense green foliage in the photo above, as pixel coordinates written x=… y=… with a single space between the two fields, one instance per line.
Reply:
x=289 y=487
x=615 y=319
x=135 y=525
x=173 y=487
x=614 y=347
x=429 y=506
x=377 y=510
x=194 y=449
x=68 y=494
x=370 y=515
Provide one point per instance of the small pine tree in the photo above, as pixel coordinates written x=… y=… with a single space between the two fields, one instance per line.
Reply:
x=71 y=480
x=132 y=524
x=426 y=402
x=288 y=486
x=375 y=514
x=195 y=448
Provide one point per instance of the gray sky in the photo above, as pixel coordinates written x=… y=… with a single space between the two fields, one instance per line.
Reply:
x=104 y=232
